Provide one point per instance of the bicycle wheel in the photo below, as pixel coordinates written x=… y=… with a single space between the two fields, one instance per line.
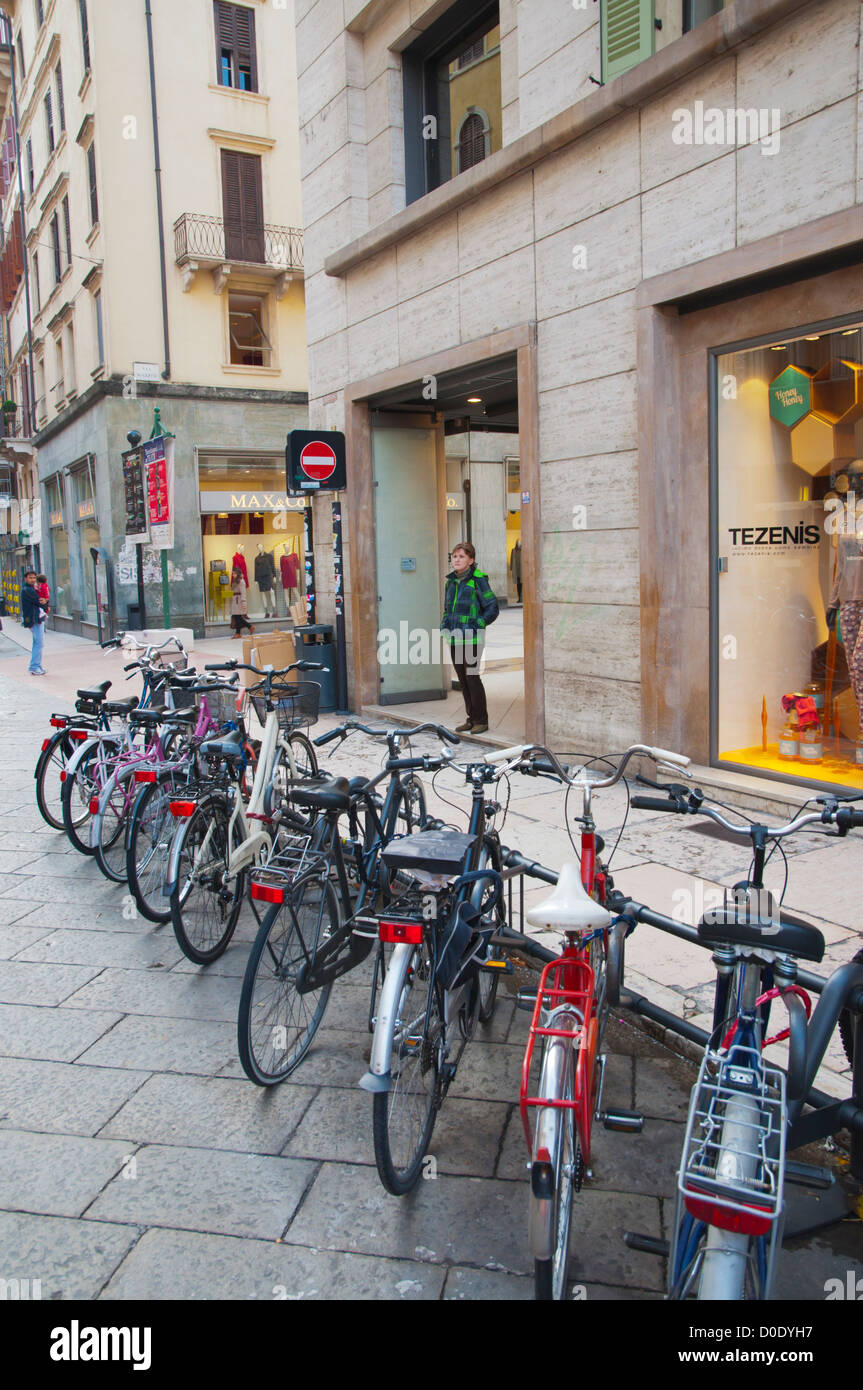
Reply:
x=729 y=1259
x=49 y=788
x=412 y=814
x=275 y=1023
x=488 y=981
x=111 y=823
x=553 y=1179
x=82 y=787
x=846 y=1024
x=206 y=900
x=403 y=1117
x=151 y=830
x=306 y=762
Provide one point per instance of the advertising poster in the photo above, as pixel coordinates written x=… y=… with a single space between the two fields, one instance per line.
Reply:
x=158 y=459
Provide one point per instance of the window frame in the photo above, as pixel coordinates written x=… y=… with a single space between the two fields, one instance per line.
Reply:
x=61 y=104
x=100 y=329
x=85 y=34
x=48 y=108
x=19 y=50
x=67 y=228
x=268 y=352
x=55 y=247
x=31 y=173
x=92 y=183
x=37 y=292
x=40 y=14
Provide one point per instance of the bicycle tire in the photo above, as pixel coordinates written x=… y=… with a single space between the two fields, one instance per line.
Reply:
x=306 y=762
x=846 y=1023
x=79 y=788
x=550 y=1276
x=412 y=813
x=111 y=824
x=550 y=1219
x=403 y=1117
x=287 y=939
x=727 y=1260
x=52 y=761
x=204 y=909
x=151 y=829
x=488 y=983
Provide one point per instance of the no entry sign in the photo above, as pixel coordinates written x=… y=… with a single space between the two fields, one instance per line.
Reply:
x=315 y=461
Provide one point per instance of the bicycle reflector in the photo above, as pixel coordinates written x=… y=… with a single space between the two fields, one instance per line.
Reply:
x=268 y=893
x=747 y=1220
x=58 y=722
x=94 y=805
x=45 y=743
x=147 y=774
x=181 y=809
x=396 y=932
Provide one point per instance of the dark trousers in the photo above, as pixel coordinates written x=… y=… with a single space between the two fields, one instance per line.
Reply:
x=465 y=659
x=239 y=621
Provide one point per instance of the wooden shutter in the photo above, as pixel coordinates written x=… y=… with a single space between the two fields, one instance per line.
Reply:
x=67 y=229
x=242 y=206
x=245 y=44
x=61 y=105
x=627 y=35
x=49 y=120
x=94 y=193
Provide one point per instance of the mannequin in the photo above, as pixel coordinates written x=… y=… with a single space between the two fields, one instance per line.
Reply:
x=846 y=599
x=289 y=569
x=238 y=562
x=265 y=578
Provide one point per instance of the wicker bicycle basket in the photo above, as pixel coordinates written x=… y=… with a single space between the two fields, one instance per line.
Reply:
x=222 y=703
x=296 y=703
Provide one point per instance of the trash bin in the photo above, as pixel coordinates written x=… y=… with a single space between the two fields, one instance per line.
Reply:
x=314 y=642
x=133 y=621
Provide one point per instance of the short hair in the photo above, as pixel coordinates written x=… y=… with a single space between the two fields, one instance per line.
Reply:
x=467 y=547
x=42 y=578
x=27 y=574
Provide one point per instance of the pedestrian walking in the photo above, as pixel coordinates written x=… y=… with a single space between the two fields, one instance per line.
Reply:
x=239 y=603
x=469 y=607
x=33 y=617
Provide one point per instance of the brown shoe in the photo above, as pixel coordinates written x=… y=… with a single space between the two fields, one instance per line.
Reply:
x=463 y=728
x=479 y=728
x=251 y=627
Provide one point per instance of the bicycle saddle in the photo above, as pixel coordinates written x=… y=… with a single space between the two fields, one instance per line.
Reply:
x=570 y=907
x=97 y=693
x=721 y=926
x=180 y=716
x=333 y=795
x=120 y=706
x=153 y=714
x=231 y=746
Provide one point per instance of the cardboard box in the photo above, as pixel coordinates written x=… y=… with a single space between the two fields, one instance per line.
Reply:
x=269 y=649
x=298 y=612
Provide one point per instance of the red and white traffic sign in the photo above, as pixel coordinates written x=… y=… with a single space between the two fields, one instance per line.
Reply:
x=318 y=460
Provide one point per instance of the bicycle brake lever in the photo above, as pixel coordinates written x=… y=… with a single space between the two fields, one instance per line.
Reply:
x=674 y=767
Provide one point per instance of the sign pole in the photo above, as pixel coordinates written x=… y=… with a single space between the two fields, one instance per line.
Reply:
x=341 y=644
x=139 y=560
x=166 y=595
x=309 y=563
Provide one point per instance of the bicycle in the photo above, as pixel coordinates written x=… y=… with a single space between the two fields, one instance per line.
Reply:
x=318 y=885
x=214 y=843
x=744 y=1115
x=569 y=1014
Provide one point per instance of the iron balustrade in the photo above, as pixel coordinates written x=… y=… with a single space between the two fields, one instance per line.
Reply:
x=196 y=235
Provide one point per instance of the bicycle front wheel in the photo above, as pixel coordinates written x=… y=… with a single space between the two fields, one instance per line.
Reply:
x=301 y=764
x=206 y=900
x=403 y=1117
x=276 y=1022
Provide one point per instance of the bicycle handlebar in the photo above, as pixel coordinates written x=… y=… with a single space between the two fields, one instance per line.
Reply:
x=353 y=726
x=518 y=752
x=267 y=671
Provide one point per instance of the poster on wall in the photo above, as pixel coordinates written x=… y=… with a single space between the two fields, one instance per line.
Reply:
x=158 y=462
x=135 y=501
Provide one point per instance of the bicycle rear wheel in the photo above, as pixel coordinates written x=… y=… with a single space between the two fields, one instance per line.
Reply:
x=403 y=1117
x=555 y=1173
x=111 y=823
x=305 y=765
x=151 y=830
x=206 y=900
x=276 y=1023
x=49 y=787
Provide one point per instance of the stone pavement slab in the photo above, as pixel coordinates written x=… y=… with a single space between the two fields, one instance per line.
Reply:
x=41 y=984
x=61 y=1097
x=156 y=993
x=51 y=1034
x=211 y=1113
x=17 y=938
x=71 y=1259
x=162 y=1044
x=140 y=951
x=57 y=1174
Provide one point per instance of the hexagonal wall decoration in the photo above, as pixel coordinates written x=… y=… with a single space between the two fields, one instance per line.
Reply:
x=837 y=391
x=790 y=396
x=814 y=443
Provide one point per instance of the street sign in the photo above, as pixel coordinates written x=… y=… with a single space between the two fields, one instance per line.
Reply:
x=315 y=461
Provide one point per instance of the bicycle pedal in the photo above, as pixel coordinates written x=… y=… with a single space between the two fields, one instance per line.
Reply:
x=497 y=967
x=650 y=1245
x=626 y=1121
x=526 y=1000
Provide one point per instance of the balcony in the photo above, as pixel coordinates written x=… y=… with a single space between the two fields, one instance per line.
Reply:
x=208 y=243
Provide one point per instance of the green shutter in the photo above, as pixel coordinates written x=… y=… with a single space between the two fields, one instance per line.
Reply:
x=627 y=35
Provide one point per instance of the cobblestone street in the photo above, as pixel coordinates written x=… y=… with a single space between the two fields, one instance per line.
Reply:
x=138 y=1161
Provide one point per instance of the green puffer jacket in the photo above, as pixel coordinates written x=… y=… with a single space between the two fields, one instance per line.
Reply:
x=469 y=603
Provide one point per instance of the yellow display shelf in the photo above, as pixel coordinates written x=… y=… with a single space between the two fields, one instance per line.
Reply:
x=838 y=768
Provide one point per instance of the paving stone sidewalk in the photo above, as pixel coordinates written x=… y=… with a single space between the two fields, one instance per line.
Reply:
x=138 y=1162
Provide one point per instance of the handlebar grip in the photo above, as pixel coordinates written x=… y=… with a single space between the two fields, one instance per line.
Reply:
x=653 y=803
x=326 y=738
x=663 y=755
x=307 y=666
x=133 y=666
x=847 y=819
x=447 y=734
x=505 y=755
x=221 y=666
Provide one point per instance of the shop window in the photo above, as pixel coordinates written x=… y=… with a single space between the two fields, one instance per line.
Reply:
x=235 y=46
x=452 y=98
x=250 y=346
x=788 y=517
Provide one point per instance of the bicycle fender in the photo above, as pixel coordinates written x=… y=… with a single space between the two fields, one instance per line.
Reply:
x=377 y=1078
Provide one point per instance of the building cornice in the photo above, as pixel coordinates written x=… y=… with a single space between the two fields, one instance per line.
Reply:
x=236 y=140
x=723 y=33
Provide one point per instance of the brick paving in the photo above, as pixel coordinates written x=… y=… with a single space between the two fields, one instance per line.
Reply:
x=139 y=1162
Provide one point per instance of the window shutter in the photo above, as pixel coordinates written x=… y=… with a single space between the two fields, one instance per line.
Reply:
x=67 y=229
x=627 y=35
x=245 y=44
x=471 y=145
x=232 y=205
x=61 y=106
x=94 y=193
x=49 y=120
x=242 y=206
x=253 y=208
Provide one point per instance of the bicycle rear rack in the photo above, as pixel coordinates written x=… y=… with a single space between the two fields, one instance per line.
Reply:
x=566 y=983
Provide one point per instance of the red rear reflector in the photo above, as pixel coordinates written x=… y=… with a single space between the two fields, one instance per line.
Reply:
x=45 y=743
x=394 y=932
x=147 y=775
x=749 y=1221
x=268 y=893
x=94 y=805
x=59 y=722
x=63 y=775
x=542 y=1156
x=79 y=734
x=181 y=808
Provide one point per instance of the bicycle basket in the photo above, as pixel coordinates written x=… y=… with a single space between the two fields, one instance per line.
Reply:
x=732 y=1169
x=182 y=697
x=296 y=704
x=222 y=703
x=172 y=657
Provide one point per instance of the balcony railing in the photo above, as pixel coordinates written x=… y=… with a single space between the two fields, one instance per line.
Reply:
x=206 y=239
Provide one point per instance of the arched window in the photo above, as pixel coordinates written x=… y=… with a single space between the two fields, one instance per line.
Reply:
x=473 y=139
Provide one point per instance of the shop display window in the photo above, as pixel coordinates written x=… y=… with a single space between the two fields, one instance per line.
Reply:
x=788 y=518
x=247 y=521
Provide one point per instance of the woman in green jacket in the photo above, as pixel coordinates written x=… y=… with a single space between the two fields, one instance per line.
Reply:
x=469 y=607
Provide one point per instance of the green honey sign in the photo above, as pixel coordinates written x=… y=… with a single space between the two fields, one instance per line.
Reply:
x=790 y=396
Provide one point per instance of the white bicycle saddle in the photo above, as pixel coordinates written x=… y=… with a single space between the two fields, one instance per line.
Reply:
x=570 y=907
